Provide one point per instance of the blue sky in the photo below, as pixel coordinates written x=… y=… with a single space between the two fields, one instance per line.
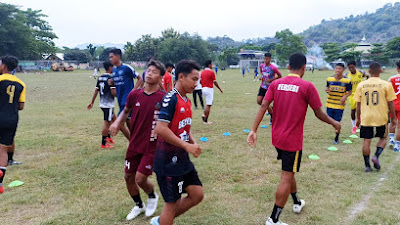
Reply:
x=118 y=21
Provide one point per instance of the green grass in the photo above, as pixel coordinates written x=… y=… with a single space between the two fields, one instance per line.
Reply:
x=70 y=180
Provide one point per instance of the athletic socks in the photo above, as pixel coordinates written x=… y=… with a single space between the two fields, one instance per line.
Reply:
x=391 y=135
x=353 y=122
x=296 y=199
x=366 y=161
x=138 y=201
x=378 y=152
x=337 y=137
x=3 y=169
x=109 y=135
x=276 y=212
x=152 y=195
x=104 y=140
x=397 y=144
x=10 y=156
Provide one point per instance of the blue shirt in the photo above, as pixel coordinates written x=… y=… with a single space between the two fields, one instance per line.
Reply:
x=123 y=76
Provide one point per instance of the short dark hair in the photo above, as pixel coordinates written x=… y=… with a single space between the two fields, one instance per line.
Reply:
x=107 y=65
x=159 y=65
x=186 y=66
x=340 y=64
x=116 y=51
x=169 y=65
x=375 y=68
x=398 y=64
x=267 y=55
x=10 y=62
x=208 y=62
x=297 y=61
x=352 y=63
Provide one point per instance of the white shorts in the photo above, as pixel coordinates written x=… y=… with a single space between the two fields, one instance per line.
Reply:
x=208 y=94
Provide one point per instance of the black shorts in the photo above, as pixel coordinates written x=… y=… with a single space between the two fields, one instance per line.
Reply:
x=262 y=92
x=368 y=132
x=172 y=187
x=108 y=114
x=290 y=160
x=7 y=136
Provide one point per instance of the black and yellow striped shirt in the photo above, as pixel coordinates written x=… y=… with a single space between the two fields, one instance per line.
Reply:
x=337 y=89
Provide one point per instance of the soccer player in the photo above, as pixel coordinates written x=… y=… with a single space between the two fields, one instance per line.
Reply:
x=355 y=76
x=12 y=99
x=107 y=94
x=167 y=79
x=395 y=80
x=374 y=102
x=145 y=105
x=216 y=69
x=291 y=96
x=338 y=88
x=269 y=73
x=255 y=74
x=198 y=92
x=123 y=76
x=208 y=81
x=176 y=174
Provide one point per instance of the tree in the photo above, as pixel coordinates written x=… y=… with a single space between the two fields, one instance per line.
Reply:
x=24 y=34
x=229 y=56
x=129 y=51
x=144 y=48
x=350 y=54
x=92 y=50
x=169 y=33
x=104 y=55
x=378 y=54
x=184 y=47
x=77 y=55
x=393 y=48
x=288 y=44
x=332 y=51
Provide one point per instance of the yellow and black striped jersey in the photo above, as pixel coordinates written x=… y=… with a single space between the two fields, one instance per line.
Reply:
x=337 y=89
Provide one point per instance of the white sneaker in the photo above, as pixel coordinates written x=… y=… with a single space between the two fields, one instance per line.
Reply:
x=271 y=222
x=297 y=208
x=136 y=211
x=152 y=205
x=155 y=220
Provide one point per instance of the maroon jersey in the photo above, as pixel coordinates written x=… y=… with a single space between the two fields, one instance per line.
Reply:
x=171 y=160
x=145 y=110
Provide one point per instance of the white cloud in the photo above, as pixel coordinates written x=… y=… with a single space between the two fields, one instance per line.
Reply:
x=100 y=21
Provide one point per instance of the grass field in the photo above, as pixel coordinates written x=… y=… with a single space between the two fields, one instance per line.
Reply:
x=70 y=180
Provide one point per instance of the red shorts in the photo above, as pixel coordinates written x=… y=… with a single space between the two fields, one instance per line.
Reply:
x=142 y=163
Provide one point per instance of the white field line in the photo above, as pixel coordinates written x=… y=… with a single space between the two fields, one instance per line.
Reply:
x=364 y=202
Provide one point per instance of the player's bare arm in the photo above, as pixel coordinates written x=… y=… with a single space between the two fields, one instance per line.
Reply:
x=139 y=83
x=321 y=115
x=163 y=130
x=90 y=106
x=358 y=114
x=119 y=122
x=21 y=105
x=252 y=138
x=216 y=85
x=344 y=98
x=392 y=111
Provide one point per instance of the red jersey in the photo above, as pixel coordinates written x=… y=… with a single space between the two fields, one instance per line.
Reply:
x=207 y=78
x=291 y=96
x=167 y=79
x=395 y=81
x=145 y=110
x=171 y=160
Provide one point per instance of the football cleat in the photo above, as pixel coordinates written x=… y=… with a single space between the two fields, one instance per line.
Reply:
x=107 y=146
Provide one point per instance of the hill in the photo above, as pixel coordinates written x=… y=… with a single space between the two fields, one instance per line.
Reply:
x=378 y=27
